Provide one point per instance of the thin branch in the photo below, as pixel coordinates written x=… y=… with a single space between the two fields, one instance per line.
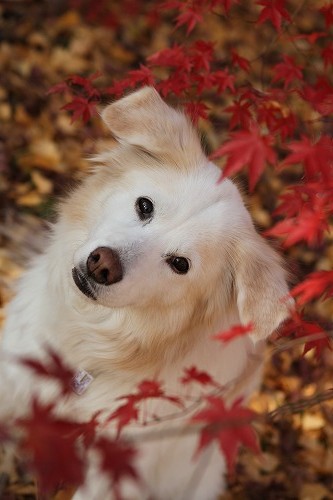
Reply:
x=300 y=405
x=286 y=409
x=290 y=344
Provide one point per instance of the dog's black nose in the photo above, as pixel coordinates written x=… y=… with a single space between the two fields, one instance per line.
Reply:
x=104 y=266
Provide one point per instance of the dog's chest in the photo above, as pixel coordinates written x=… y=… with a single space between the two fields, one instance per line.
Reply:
x=224 y=365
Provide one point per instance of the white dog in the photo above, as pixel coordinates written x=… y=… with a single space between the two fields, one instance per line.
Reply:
x=150 y=257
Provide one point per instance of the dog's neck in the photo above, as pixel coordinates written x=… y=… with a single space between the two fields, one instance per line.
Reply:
x=127 y=339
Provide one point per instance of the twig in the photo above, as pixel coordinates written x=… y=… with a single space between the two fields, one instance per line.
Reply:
x=290 y=344
x=286 y=409
x=300 y=405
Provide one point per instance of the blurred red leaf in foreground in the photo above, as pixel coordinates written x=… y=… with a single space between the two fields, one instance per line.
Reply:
x=234 y=332
x=53 y=368
x=230 y=427
x=117 y=460
x=129 y=411
x=50 y=444
x=192 y=374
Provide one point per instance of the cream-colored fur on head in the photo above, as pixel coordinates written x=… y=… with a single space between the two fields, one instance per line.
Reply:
x=153 y=322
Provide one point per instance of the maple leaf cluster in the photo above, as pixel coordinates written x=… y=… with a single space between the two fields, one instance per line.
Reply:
x=56 y=449
x=71 y=441
x=230 y=427
x=129 y=411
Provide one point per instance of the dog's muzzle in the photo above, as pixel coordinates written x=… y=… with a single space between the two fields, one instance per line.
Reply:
x=103 y=267
x=83 y=283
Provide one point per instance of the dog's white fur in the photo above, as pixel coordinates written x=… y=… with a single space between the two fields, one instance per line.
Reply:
x=154 y=322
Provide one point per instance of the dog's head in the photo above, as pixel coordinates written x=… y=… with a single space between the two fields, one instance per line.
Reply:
x=153 y=227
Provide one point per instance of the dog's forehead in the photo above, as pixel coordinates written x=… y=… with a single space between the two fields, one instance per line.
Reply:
x=192 y=206
x=186 y=192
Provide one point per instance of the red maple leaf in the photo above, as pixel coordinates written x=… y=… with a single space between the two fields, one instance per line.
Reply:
x=192 y=374
x=53 y=368
x=190 y=17
x=290 y=203
x=241 y=116
x=317 y=284
x=191 y=12
x=153 y=389
x=327 y=55
x=327 y=12
x=230 y=427
x=287 y=71
x=283 y=124
x=177 y=83
x=298 y=327
x=125 y=414
x=149 y=389
x=142 y=76
x=201 y=54
x=85 y=85
x=274 y=11
x=174 y=57
x=233 y=332
x=118 y=88
x=312 y=196
x=224 y=80
x=272 y=112
x=226 y=4
x=196 y=110
x=240 y=61
x=308 y=226
x=319 y=95
x=129 y=411
x=50 y=444
x=81 y=107
x=204 y=81
x=59 y=88
x=117 y=460
x=317 y=157
x=247 y=148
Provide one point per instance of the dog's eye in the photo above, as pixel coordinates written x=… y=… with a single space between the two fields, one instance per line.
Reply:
x=144 y=208
x=179 y=265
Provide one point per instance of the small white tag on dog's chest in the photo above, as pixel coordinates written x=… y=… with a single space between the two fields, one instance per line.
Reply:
x=81 y=382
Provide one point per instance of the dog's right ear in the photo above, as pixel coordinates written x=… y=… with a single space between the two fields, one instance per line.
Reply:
x=260 y=285
x=144 y=120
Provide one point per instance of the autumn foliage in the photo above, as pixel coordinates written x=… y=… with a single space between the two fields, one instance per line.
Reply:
x=270 y=114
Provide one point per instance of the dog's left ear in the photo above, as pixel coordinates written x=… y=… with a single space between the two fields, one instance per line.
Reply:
x=261 y=286
x=144 y=120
